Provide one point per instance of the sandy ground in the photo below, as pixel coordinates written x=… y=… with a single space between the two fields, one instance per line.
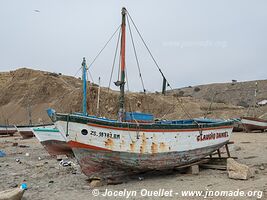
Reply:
x=46 y=179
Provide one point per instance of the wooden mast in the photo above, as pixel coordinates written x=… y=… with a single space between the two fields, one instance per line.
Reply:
x=122 y=62
x=84 y=87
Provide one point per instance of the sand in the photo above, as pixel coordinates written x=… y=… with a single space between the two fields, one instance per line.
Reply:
x=46 y=179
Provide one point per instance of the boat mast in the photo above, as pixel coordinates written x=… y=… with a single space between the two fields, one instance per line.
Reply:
x=98 y=98
x=122 y=61
x=84 y=87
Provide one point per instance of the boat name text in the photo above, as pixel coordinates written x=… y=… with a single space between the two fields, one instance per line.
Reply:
x=212 y=136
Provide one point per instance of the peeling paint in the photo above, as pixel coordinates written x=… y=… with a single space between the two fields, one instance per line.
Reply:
x=132 y=146
x=143 y=144
x=162 y=146
x=109 y=143
x=154 y=148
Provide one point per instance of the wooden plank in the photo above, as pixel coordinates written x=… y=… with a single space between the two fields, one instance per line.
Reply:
x=210 y=166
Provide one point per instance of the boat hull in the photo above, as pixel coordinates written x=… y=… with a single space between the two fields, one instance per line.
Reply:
x=26 y=131
x=8 y=130
x=55 y=147
x=53 y=141
x=105 y=150
x=12 y=194
x=253 y=124
x=98 y=164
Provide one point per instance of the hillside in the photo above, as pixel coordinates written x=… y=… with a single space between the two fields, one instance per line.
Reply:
x=236 y=93
x=40 y=90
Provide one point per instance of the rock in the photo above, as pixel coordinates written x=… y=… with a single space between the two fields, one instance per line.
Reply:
x=51 y=181
x=262 y=167
x=39 y=165
x=96 y=183
x=27 y=154
x=114 y=182
x=194 y=169
x=14 y=185
x=24 y=146
x=237 y=148
x=62 y=157
x=238 y=171
x=15 y=144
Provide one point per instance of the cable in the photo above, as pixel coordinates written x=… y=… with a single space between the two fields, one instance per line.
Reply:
x=136 y=58
x=114 y=60
x=168 y=84
x=88 y=72
x=103 y=47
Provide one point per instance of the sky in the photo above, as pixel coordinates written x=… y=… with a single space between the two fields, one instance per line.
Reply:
x=194 y=42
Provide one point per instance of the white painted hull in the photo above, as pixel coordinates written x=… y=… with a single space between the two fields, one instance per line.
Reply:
x=251 y=124
x=47 y=134
x=7 y=130
x=26 y=131
x=255 y=123
x=53 y=141
x=143 y=142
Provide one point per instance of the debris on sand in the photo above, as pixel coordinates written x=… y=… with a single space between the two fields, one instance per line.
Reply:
x=2 y=154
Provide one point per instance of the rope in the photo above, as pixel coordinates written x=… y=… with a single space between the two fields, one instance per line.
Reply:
x=168 y=84
x=77 y=71
x=114 y=60
x=88 y=72
x=127 y=85
x=103 y=47
x=136 y=58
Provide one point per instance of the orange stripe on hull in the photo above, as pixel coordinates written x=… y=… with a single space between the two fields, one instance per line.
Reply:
x=74 y=144
x=158 y=130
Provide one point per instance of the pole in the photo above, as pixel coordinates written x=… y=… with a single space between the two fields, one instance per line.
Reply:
x=29 y=112
x=164 y=86
x=84 y=87
x=255 y=99
x=98 y=97
x=122 y=81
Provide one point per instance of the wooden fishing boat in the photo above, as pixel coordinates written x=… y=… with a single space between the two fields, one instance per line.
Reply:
x=26 y=130
x=251 y=122
x=8 y=130
x=13 y=194
x=53 y=141
x=107 y=148
x=238 y=126
x=254 y=124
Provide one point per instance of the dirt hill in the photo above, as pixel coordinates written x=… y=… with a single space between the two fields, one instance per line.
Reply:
x=235 y=93
x=25 y=89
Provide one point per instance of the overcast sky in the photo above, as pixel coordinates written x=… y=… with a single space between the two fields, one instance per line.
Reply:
x=194 y=42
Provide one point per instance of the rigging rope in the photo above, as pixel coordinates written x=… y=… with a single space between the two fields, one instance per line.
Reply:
x=103 y=47
x=88 y=72
x=168 y=84
x=136 y=58
x=114 y=60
